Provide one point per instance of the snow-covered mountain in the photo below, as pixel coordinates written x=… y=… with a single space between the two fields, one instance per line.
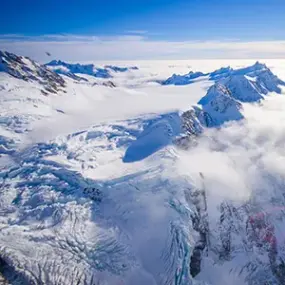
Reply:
x=258 y=73
x=221 y=104
x=183 y=79
x=232 y=86
x=71 y=69
x=136 y=199
x=244 y=89
x=26 y=69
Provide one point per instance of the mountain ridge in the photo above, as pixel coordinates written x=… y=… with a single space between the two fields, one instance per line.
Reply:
x=70 y=69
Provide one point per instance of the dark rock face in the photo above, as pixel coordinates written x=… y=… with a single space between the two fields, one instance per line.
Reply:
x=26 y=69
x=8 y=275
x=200 y=224
x=193 y=122
x=109 y=84
x=238 y=232
x=120 y=69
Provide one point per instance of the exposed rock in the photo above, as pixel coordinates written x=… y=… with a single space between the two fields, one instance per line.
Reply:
x=29 y=70
x=120 y=69
x=109 y=84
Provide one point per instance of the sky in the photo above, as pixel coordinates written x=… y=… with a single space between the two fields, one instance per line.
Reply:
x=129 y=29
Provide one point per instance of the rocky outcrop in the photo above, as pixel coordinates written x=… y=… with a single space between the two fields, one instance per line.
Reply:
x=223 y=101
x=120 y=69
x=200 y=224
x=193 y=121
x=108 y=83
x=217 y=107
x=26 y=69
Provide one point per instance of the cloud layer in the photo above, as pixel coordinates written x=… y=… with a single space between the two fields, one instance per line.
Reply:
x=135 y=46
x=243 y=159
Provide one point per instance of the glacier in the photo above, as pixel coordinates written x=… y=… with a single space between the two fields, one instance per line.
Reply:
x=187 y=192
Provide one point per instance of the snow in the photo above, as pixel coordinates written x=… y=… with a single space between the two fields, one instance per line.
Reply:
x=243 y=89
x=100 y=193
x=156 y=136
x=62 y=67
x=221 y=105
x=100 y=104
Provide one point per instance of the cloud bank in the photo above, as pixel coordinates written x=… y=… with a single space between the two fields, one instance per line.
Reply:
x=135 y=47
x=243 y=159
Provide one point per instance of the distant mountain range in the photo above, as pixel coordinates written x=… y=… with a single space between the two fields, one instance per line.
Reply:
x=231 y=87
x=258 y=70
x=69 y=69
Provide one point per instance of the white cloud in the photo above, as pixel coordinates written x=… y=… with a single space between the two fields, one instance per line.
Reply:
x=137 y=32
x=243 y=160
x=135 y=46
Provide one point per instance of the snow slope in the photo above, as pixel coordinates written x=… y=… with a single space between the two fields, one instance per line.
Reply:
x=95 y=190
x=221 y=104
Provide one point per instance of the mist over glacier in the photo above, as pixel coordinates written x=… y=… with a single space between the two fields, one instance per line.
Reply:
x=241 y=162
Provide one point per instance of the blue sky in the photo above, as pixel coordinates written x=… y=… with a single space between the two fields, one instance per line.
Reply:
x=171 y=20
x=152 y=20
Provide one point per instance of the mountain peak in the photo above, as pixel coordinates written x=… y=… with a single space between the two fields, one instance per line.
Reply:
x=243 y=89
x=220 y=105
x=26 y=69
x=55 y=62
x=214 y=90
x=220 y=73
x=260 y=65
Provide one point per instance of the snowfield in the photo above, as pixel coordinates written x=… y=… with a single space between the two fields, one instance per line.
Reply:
x=134 y=182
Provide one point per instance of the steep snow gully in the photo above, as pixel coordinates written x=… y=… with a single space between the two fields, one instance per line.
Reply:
x=187 y=197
